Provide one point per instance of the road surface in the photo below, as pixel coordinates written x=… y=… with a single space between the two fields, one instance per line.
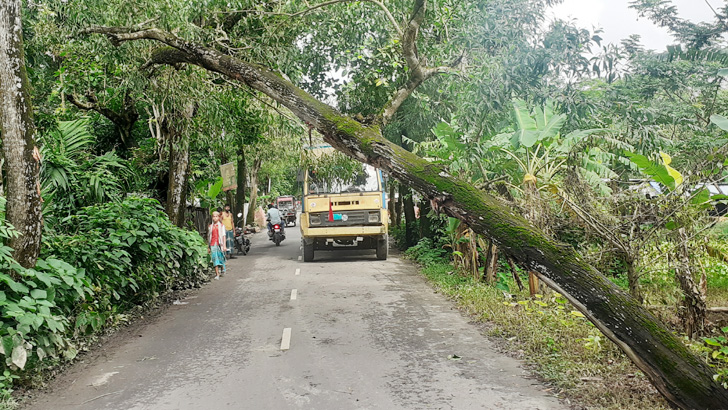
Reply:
x=346 y=331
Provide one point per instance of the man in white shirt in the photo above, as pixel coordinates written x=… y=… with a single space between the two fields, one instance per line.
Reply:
x=274 y=217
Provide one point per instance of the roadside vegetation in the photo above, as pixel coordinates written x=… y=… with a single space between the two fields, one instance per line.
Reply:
x=473 y=107
x=555 y=341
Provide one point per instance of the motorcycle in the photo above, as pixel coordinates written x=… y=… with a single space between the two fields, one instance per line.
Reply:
x=276 y=233
x=242 y=243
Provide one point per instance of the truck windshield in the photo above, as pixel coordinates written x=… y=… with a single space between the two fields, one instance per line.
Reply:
x=364 y=179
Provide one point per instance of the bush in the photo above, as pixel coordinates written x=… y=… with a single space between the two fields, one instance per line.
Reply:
x=426 y=253
x=102 y=261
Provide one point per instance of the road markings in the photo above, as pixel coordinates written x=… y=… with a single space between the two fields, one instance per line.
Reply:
x=298 y=271
x=294 y=294
x=286 y=339
x=299 y=257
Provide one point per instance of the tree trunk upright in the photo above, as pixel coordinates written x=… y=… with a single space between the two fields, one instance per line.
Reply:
x=408 y=208
x=253 y=190
x=425 y=221
x=240 y=191
x=22 y=158
x=391 y=202
x=632 y=277
x=693 y=309
x=398 y=207
x=179 y=167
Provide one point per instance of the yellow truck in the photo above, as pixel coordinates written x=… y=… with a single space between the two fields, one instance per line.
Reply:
x=344 y=212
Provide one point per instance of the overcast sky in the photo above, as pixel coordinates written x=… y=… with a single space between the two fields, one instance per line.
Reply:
x=618 y=21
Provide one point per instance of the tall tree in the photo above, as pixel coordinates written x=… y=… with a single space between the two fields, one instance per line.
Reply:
x=683 y=378
x=22 y=158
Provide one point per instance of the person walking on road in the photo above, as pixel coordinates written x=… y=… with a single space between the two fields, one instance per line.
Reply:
x=216 y=240
x=227 y=222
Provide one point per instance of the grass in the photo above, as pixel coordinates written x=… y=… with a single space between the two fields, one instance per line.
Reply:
x=562 y=347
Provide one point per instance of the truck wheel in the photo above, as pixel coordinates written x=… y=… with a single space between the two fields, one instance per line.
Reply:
x=382 y=249
x=307 y=252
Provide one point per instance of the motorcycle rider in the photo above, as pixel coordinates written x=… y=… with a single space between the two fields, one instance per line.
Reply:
x=274 y=217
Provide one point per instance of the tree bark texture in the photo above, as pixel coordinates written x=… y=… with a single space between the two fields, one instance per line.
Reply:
x=633 y=277
x=22 y=159
x=492 y=268
x=410 y=219
x=693 y=309
x=179 y=169
x=514 y=272
x=425 y=221
x=682 y=377
x=253 y=190
x=240 y=191
x=391 y=202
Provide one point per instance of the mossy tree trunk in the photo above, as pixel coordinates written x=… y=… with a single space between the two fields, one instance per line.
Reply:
x=22 y=158
x=683 y=378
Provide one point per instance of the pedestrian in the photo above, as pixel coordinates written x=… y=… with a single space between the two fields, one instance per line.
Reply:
x=227 y=222
x=216 y=244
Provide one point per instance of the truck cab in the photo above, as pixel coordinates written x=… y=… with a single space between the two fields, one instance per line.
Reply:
x=287 y=206
x=344 y=213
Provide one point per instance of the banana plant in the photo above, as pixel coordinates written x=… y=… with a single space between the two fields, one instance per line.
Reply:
x=541 y=152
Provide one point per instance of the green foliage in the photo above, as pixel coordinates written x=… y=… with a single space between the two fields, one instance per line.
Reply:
x=98 y=263
x=426 y=252
x=208 y=191
x=71 y=176
x=717 y=349
x=654 y=170
x=132 y=258
x=331 y=168
x=548 y=333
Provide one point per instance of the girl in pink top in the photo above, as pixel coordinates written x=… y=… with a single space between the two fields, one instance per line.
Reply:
x=216 y=244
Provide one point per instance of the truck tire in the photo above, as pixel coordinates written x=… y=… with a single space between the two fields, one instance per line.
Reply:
x=382 y=249
x=307 y=252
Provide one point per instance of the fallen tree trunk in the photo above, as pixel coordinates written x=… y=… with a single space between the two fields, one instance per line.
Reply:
x=682 y=377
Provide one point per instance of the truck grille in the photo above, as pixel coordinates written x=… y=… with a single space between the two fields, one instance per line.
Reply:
x=348 y=218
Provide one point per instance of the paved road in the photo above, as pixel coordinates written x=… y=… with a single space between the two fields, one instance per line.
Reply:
x=364 y=334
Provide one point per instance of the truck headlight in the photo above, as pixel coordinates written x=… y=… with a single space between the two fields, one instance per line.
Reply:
x=314 y=219
x=373 y=217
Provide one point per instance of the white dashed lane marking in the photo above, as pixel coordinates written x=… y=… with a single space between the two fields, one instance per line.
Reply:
x=286 y=339
x=298 y=271
x=294 y=294
x=299 y=257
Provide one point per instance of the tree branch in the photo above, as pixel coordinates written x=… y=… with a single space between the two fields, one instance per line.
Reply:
x=417 y=73
x=381 y=5
x=682 y=377
x=124 y=120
